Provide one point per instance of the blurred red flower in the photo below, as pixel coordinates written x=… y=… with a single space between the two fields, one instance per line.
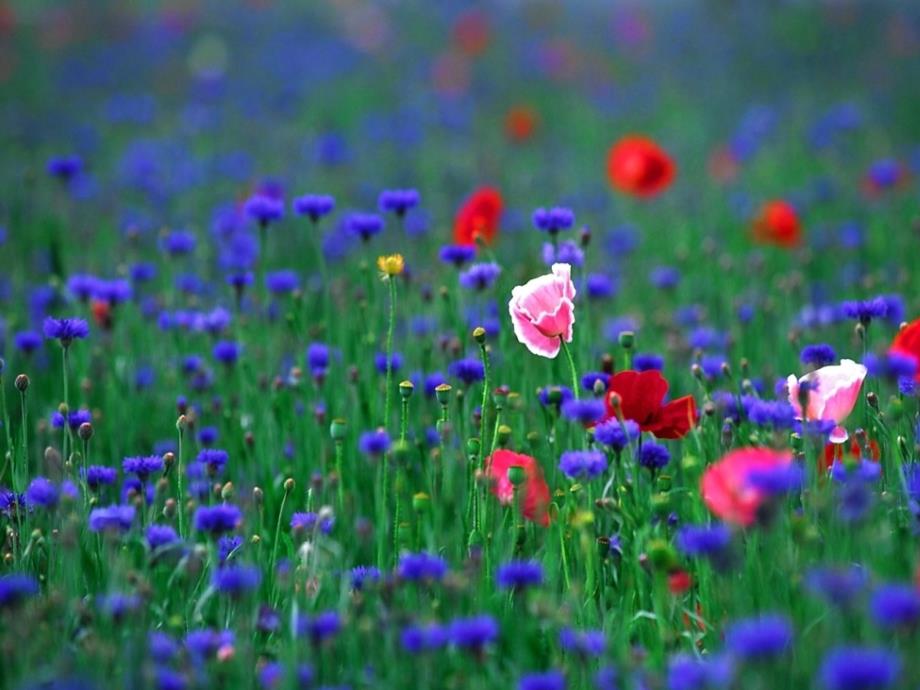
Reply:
x=536 y=490
x=478 y=217
x=907 y=342
x=638 y=166
x=725 y=488
x=471 y=33
x=778 y=223
x=638 y=395
x=521 y=121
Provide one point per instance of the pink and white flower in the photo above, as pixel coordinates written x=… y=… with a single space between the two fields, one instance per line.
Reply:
x=832 y=394
x=542 y=311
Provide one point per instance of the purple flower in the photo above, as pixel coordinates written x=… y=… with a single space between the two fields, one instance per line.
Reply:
x=317 y=358
x=398 y=201
x=204 y=644
x=473 y=633
x=664 y=277
x=315 y=206
x=647 y=361
x=553 y=220
x=761 y=637
x=583 y=464
x=97 y=476
x=583 y=642
x=554 y=395
x=415 y=638
x=615 y=434
x=27 y=342
x=421 y=567
x=653 y=456
x=66 y=330
x=547 y=680
x=214 y=459
x=600 y=286
x=859 y=668
x=282 y=282
x=818 y=355
x=836 y=585
x=143 y=466
x=264 y=209
x=865 y=310
x=307 y=522
x=115 y=518
x=363 y=574
x=374 y=443
x=42 y=492
x=161 y=535
x=480 y=276
x=227 y=352
x=519 y=574
x=179 y=243
x=895 y=606
x=568 y=252
x=217 y=519
x=457 y=254
x=380 y=362
x=891 y=365
x=364 y=225
x=583 y=411
x=82 y=286
x=467 y=370
x=236 y=580
x=319 y=628
x=64 y=168
x=16 y=587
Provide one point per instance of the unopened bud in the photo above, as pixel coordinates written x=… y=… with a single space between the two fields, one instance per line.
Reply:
x=85 y=432
x=289 y=485
x=405 y=389
x=22 y=383
x=479 y=334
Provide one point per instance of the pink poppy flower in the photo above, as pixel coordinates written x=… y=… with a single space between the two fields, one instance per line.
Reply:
x=542 y=311
x=725 y=487
x=536 y=490
x=833 y=393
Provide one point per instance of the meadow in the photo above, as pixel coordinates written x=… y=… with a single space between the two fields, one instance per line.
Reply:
x=434 y=345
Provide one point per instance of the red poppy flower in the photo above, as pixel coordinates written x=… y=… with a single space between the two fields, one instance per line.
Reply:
x=521 y=122
x=907 y=342
x=833 y=452
x=679 y=582
x=478 y=218
x=778 y=223
x=639 y=396
x=471 y=33
x=536 y=490
x=102 y=314
x=638 y=166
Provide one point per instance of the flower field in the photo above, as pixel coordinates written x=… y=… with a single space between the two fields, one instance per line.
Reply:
x=527 y=345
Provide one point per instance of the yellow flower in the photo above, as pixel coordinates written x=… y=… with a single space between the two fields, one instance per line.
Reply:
x=391 y=265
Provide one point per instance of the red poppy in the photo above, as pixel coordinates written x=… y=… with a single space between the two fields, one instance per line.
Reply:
x=102 y=314
x=907 y=342
x=778 y=223
x=833 y=452
x=639 y=396
x=478 y=218
x=471 y=33
x=679 y=582
x=521 y=122
x=536 y=490
x=638 y=166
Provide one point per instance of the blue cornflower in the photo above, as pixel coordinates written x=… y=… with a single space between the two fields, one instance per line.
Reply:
x=263 y=209
x=553 y=220
x=457 y=254
x=664 y=277
x=282 y=282
x=227 y=545
x=606 y=678
x=236 y=580
x=648 y=361
x=319 y=628
x=600 y=286
x=380 y=362
x=64 y=168
x=686 y=672
x=374 y=443
x=421 y=566
x=836 y=585
x=114 y=292
x=432 y=381
x=891 y=365
x=884 y=173
x=653 y=456
x=217 y=519
x=776 y=481
x=42 y=492
x=362 y=575
x=568 y=252
x=818 y=355
x=583 y=411
x=208 y=435
x=473 y=633
x=591 y=378
x=226 y=352
x=161 y=535
x=315 y=206
x=854 y=500
x=615 y=434
x=82 y=286
x=759 y=638
x=703 y=540
x=115 y=518
x=214 y=459
x=204 y=644
x=613 y=328
x=318 y=358
x=480 y=276
x=270 y=675
x=519 y=574
x=27 y=342
x=142 y=272
x=583 y=464
x=162 y=647
x=179 y=242
x=468 y=370
x=117 y=605
x=66 y=330
x=307 y=522
x=416 y=638
x=865 y=310
x=142 y=466
x=712 y=366
x=16 y=587
x=73 y=419
x=97 y=476
x=398 y=201
x=895 y=606
x=554 y=395
x=583 y=642
x=547 y=680
x=706 y=338
x=859 y=668
x=364 y=225
x=778 y=414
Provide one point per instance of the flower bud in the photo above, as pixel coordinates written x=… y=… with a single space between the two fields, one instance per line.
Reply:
x=289 y=485
x=504 y=435
x=405 y=389
x=517 y=475
x=338 y=429
x=85 y=432
x=22 y=383
x=442 y=393
x=627 y=340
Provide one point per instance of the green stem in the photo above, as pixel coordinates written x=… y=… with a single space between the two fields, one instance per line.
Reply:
x=391 y=321
x=180 y=492
x=568 y=355
x=275 y=541
x=338 y=469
